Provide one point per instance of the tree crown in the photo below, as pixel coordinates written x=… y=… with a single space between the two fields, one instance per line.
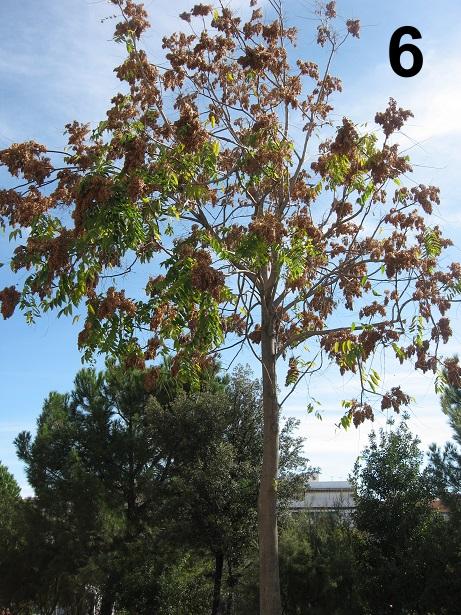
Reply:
x=198 y=171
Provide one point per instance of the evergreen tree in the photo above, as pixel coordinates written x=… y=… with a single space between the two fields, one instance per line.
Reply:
x=393 y=509
x=130 y=483
x=9 y=535
x=445 y=464
x=96 y=468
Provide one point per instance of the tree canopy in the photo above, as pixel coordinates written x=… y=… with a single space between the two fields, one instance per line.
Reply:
x=129 y=483
x=406 y=559
x=254 y=233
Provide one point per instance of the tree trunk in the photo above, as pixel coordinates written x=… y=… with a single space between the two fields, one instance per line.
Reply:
x=269 y=582
x=232 y=582
x=107 y=602
x=219 y=561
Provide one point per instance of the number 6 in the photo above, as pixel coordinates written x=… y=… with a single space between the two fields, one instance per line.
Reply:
x=396 y=50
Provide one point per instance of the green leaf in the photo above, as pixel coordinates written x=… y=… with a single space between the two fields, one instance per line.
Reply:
x=375 y=377
x=346 y=421
x=15 y=233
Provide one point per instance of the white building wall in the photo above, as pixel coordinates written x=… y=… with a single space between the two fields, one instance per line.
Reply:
x=326 y=495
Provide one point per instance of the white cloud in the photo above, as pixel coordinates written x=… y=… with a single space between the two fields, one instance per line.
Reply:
x=334 y=449
x=435 y=97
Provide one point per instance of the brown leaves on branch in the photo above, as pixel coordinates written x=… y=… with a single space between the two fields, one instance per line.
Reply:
x=453 y=372
x=204 y=277
x=22 y=210
x=395 y=399
x=278 y=221
x=393 y=118
x=115 y=300
x=9 y=298
x=330 y=10
x=25 y=159
x=353 y=27
x=360 y=413
x=135 y=20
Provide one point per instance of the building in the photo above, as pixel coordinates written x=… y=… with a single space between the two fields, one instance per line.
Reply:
x=325 y=496
x=338 y=496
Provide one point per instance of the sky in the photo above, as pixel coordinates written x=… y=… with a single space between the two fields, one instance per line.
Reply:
x=56 y=63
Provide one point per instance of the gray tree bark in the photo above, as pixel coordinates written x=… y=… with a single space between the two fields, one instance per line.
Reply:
x=269 y=581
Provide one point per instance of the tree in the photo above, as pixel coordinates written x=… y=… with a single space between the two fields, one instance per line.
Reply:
x=257 y=246
x=98 y=469
x=9 y=503
x=318 y=561
x=71 y=509
x=219 y=445
x=403 y=532
x=127 y=484
x=445 y=464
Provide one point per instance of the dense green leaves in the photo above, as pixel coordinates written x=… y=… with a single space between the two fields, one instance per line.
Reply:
x=147 y=502
x=140 y=493
x=406 y=557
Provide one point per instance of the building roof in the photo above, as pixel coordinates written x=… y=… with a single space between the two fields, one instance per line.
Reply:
x=328 y=485
x=330 y=495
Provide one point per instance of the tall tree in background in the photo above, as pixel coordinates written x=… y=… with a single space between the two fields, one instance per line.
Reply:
x=72 y=469
x=199 y=170
x=393 y=509
x=124 y=483
x=445 y=471
x=445 y=464
x=99 y=465
x=9 y=535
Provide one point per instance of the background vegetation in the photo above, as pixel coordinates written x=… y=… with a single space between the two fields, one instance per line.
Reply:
x=147 y=503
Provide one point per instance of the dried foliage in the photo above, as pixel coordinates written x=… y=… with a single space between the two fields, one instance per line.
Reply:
x=198 y=170
x=264 y=228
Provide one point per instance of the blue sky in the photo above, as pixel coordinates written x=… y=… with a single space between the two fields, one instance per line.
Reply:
x=56 y=61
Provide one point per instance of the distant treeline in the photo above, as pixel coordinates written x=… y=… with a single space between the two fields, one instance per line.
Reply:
x=146 y=504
